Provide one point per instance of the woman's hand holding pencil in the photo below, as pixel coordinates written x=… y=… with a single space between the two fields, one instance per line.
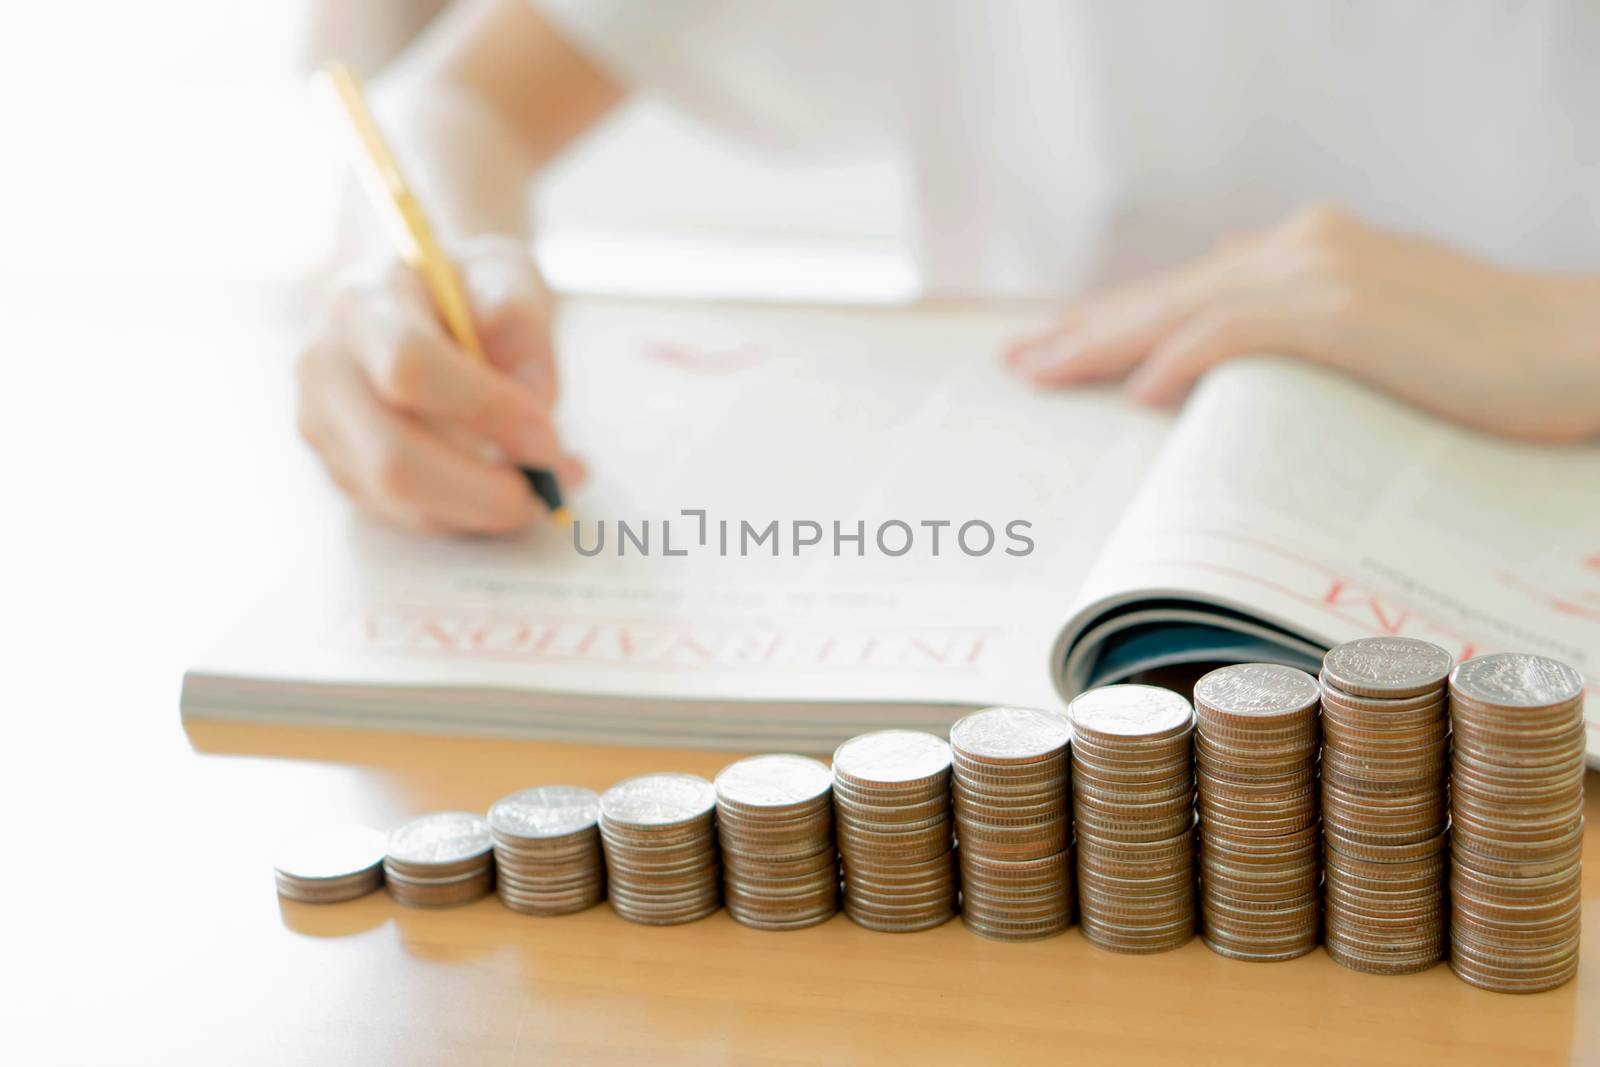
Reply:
x=428 y=392
x=414 y=430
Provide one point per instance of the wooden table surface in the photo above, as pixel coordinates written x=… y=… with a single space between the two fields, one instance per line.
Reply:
x=140 y=922
x=167 y=939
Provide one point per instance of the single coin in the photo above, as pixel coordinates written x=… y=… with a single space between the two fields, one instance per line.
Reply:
x=773 y=781
x=1002 y=787
x=755 y=922
x=1394 y=667
x=1000 y=930
x=329 y=890
x=1011 y=735
x=549 y=849
x=850 y=813
x=1239 y=949
x=440 y=893
x=658 y=800
x=1053 y=893
x=1131 y=711
x=892 y=757
x=1380 y=962
x=1132 y=754
x=552 y=908
x=545 y=811
x=758 y=887
x=332 y=854
x=439 y=839
x=871 y=921
x=689 y=913
x=1337 y=703
x=1516 y=680
x=1256 y=691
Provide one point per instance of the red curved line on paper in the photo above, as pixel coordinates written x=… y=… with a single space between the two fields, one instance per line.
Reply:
x=1560 y=604
x=703 y=360
x=1556 y=602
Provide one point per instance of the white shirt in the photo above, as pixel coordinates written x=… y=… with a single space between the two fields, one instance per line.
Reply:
x=1057 y=146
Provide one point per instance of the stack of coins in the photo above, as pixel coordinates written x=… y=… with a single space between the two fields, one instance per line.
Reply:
x=1256 y=742
x=1385 y=806
x=1133 y=797
x=547 y=850
x=330 y=865
x=440 y=860
x=1013 y=822
x=659 y=832
x=775 y=821
x=891 y=794
x=1516 y=821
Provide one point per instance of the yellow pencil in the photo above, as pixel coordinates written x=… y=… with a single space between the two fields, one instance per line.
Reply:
x=413 y=237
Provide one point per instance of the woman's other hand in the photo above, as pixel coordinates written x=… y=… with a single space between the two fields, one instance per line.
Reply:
x=1510 y=353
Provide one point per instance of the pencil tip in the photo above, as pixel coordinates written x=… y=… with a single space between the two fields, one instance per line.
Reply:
x=562 y=517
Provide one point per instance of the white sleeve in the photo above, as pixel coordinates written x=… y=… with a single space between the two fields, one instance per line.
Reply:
x=789 y=74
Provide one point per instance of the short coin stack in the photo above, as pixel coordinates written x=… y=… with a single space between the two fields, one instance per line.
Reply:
x=1516 y=821
x=1385 y=806
x=891 y=793
x=1013 y=822
x=1133 y=797
x=547 y=850
x=1256 y=744
x=659 y=832
x=331 y=865
x=440 y=860
x=775 y=821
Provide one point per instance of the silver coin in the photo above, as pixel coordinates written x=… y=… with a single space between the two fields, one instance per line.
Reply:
x=1008 y=734
x=393 y=875
x=545 y=811
x=773 y=781
x=1251 y=689
x=1517 y=679
x=339 y=852
x=892 y=756
x=658 y=799
x=869 y=921
x=442 y=894
x=441 y=838
x=1387 y=666
x=1131 y=711
x=755 y=923
x=329 y=890
x=691 y=914
x=566 y=908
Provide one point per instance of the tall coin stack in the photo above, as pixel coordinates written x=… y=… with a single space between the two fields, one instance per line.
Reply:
x=440 y=860
x=1516 y=821
x=891 y=795
x=547 y=850
x=660 y=838
x=1133 y=798
x=1256 y=742
x=775 y=821
x=1385 y=803
x=1013 y=822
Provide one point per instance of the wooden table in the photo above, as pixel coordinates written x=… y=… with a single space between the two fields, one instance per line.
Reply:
x=170 y=942
x=140 y=921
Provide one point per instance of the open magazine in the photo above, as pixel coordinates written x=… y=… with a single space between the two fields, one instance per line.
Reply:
x=805 y=523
